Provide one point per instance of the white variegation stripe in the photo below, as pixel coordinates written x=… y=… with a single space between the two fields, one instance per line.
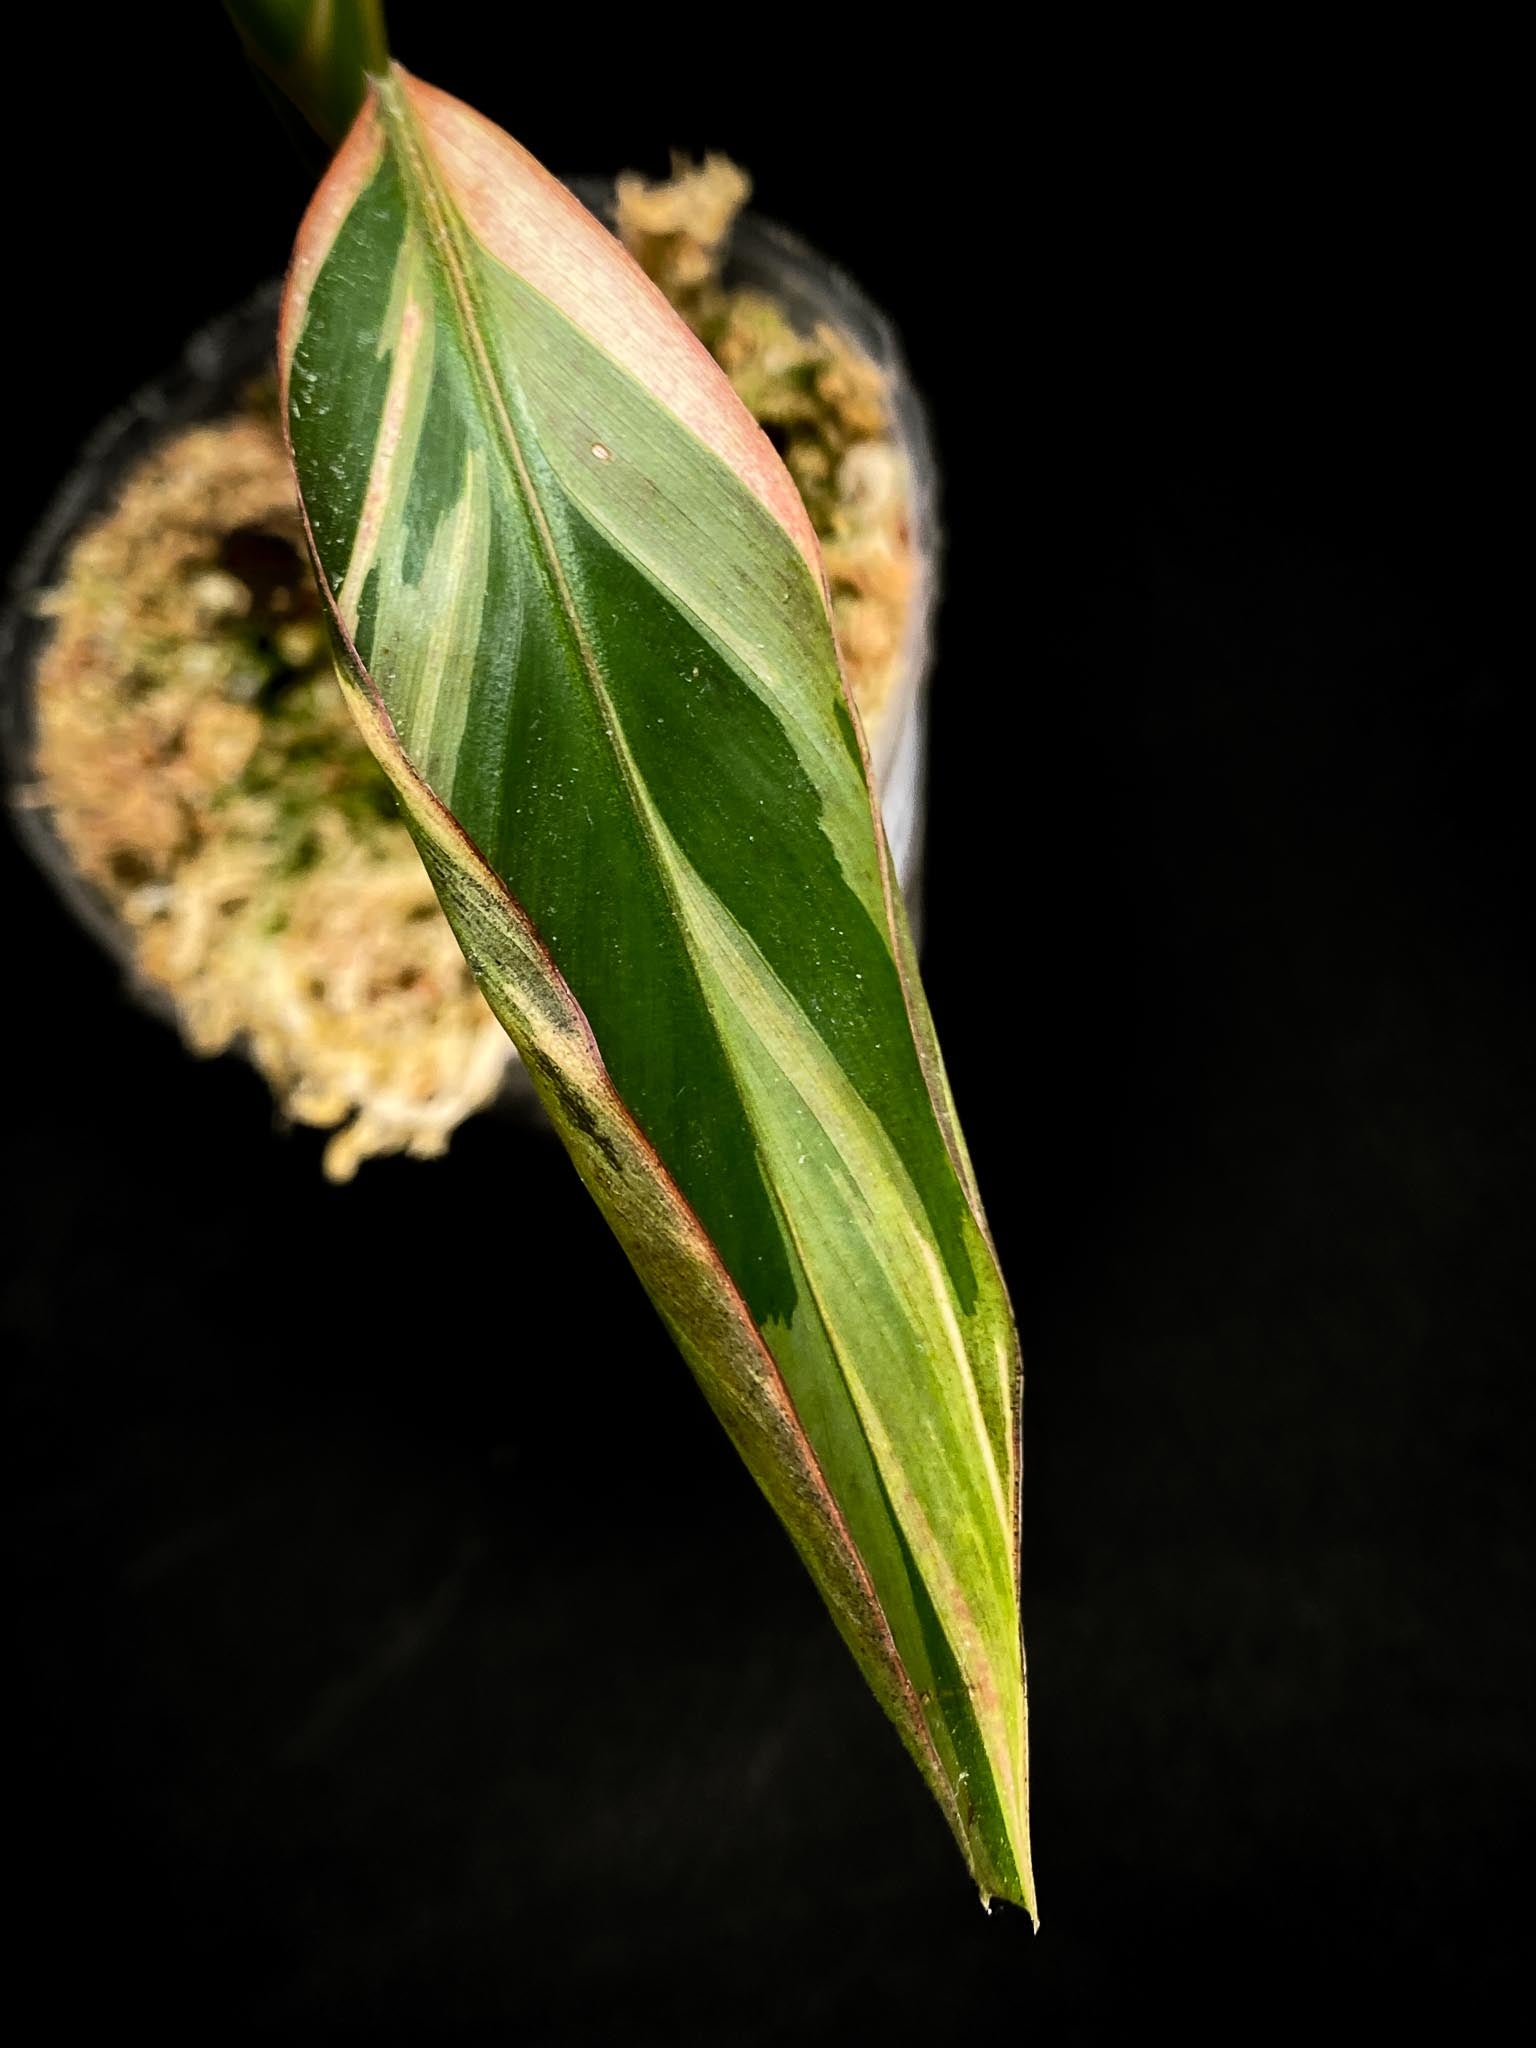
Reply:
x=407 y=340
x=429 y=712
x=872 y=1195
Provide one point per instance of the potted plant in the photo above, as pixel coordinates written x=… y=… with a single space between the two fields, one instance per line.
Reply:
x=184 y=771
x=582 y=621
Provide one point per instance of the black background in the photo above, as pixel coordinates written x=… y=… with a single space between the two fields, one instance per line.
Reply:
x=398 y=1647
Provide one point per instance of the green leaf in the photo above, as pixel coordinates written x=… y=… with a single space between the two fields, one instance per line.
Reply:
x=581 y=619
x=320 y=52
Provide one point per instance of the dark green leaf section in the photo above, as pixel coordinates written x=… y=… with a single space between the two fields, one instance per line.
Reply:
x=684 y=711
x=333 y=410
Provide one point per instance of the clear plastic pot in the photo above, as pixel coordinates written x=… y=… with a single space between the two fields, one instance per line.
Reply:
x=205 y=386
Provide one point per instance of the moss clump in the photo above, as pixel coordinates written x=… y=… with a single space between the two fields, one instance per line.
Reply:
x=203 y=772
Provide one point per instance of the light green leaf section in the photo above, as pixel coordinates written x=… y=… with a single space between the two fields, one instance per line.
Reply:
x=580 y=616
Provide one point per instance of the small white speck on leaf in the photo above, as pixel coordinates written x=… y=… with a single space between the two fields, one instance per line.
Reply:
x=603 y=454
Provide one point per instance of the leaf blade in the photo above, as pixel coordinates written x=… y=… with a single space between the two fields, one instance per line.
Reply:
x=581 y=604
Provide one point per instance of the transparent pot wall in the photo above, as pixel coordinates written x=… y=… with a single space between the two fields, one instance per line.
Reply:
x=811 y=291
x=206 y=386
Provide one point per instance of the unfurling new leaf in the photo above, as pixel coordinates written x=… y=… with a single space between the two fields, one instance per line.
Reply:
x=582 y=621
x=319 y=52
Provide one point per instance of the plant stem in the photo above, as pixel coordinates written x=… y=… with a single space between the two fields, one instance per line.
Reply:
x=321 y=53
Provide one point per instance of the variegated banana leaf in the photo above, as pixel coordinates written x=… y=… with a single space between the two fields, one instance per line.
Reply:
x=581 y=618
